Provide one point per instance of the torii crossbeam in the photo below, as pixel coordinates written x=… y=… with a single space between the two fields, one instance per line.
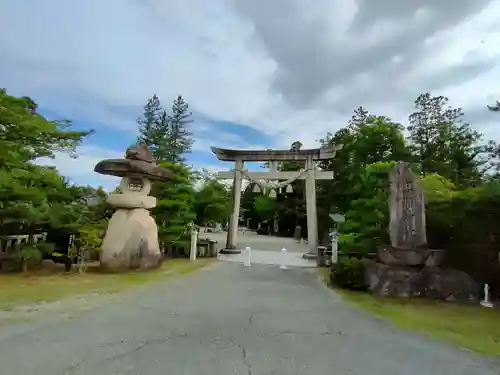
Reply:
x=310 y=174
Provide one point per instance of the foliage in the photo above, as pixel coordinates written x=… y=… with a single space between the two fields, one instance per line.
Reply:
x=148 y=123
x=212 y=202
x=26 y=135
x=265 y=207
x=348 y=273
x=89 y=240
x=180 y=139
x=175 y=202
x=28 y=192
x=368 y=216
x=436 y=187
x=29 y=255
x=366 y=139
x=442 y=143
x=466 y=224
x=166 y=134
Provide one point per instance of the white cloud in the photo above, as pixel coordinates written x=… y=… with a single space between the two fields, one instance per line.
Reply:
x=81 y=169
x=288 y=69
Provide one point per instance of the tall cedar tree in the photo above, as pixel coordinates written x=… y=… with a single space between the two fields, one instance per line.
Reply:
x=179 y=139
x=166 y=135
x=148 y=122
x=442 y=143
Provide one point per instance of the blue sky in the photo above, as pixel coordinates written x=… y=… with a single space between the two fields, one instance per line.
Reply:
x=111 y=142
x=256 y=74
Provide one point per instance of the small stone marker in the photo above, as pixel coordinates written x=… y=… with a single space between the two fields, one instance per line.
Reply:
x=486 y=301
x=335 y=246
x=406 y=208
x=247 y=262
x=283 y=259
x=194 y=240
x=334 y=235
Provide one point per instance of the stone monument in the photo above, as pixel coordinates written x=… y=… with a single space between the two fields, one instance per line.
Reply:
x=131 y=240
x=406 y=209
x=407 y=267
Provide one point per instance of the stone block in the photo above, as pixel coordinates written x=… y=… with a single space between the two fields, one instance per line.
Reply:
x=429 y=282
x=389 y=280
x=131 y=241
x=448 y=284
x=409 y=257
x=131 y=200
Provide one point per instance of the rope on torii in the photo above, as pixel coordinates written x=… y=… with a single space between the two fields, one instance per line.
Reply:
x=260 y=185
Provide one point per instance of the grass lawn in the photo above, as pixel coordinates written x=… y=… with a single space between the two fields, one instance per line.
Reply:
x=51 y=283
x=467 y=326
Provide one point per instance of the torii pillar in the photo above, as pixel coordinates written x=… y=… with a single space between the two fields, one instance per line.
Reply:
x=232 y=231
x=312 y=216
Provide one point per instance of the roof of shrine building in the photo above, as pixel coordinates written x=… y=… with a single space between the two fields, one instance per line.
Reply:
x=226 y=154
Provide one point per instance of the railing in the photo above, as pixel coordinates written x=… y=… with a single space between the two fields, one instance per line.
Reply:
x=10 y=242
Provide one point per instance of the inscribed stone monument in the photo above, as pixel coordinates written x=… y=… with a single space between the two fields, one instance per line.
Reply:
x=406 y=209
x=407 y=267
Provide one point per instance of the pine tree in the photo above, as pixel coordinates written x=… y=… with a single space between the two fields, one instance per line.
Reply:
x=175 y=202
x=162 y=150
x=442 y=143
x=179 y=138
x=148 y=122
x=166 y=135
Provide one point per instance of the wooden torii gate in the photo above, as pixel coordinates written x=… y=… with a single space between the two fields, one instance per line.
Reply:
x=310 y=174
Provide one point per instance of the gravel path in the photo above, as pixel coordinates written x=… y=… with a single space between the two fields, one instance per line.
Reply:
x=227 y=320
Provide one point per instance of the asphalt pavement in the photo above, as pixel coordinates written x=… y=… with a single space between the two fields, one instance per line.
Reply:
x=227 y=320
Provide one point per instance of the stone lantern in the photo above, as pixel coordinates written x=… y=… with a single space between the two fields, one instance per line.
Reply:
x=131 y=240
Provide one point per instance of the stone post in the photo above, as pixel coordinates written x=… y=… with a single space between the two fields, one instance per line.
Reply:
x=193 y=243
x=335 y=247
x=233 y=222
x=312 y=220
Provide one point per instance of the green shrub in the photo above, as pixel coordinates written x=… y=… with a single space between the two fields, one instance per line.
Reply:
x=29 y=255
x=367 y=220
x=348 y=273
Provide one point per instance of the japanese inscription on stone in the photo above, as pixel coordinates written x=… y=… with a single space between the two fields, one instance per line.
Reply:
x=406 y=208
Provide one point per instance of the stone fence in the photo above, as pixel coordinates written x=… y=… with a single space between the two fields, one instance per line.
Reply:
x=9 y=242
x=206 y=248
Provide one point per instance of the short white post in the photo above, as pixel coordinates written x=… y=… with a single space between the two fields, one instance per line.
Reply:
x=486 y=301
x=247 y=262
x=194 y=240
x=283 y=259
x=335 y=248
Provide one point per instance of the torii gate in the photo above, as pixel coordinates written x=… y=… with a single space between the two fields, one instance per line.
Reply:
x=310 y=174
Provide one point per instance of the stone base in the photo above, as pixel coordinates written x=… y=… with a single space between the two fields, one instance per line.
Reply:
x=309 y=255
x=230 y=251
x=131 y=241
x=429 y=282
x=487 y=304
x=409 y=257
